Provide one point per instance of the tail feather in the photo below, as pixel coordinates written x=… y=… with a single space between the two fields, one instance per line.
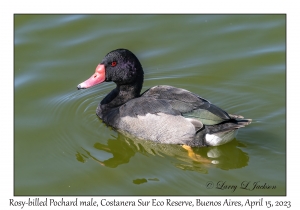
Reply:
x=224 y=132
x=228 y=125
x=218 y=134
x=244 y=122
x=235 y=116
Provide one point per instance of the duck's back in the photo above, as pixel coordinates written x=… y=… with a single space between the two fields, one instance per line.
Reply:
x=189 y=104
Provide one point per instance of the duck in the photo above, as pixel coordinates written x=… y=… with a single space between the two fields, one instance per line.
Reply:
x=162 y=114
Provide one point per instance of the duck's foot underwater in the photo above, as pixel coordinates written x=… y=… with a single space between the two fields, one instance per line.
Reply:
x=196 y=157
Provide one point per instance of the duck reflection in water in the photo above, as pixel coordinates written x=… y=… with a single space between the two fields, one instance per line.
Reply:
x=123 y=148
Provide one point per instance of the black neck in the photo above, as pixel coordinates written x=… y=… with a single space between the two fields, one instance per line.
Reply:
x=121 y=94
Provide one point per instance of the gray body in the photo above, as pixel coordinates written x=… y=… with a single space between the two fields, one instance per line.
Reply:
x=171 y=115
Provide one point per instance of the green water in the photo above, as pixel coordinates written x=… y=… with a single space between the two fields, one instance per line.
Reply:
x=237 y=62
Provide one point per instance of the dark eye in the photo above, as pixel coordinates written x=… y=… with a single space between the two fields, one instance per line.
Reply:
x=114 y=63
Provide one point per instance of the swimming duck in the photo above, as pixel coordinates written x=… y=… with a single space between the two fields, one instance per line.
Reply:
x=163 y=113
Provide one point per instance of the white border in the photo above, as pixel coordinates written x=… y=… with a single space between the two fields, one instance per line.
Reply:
x=129 y=6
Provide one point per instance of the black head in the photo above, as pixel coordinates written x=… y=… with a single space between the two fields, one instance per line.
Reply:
x=120 y=66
